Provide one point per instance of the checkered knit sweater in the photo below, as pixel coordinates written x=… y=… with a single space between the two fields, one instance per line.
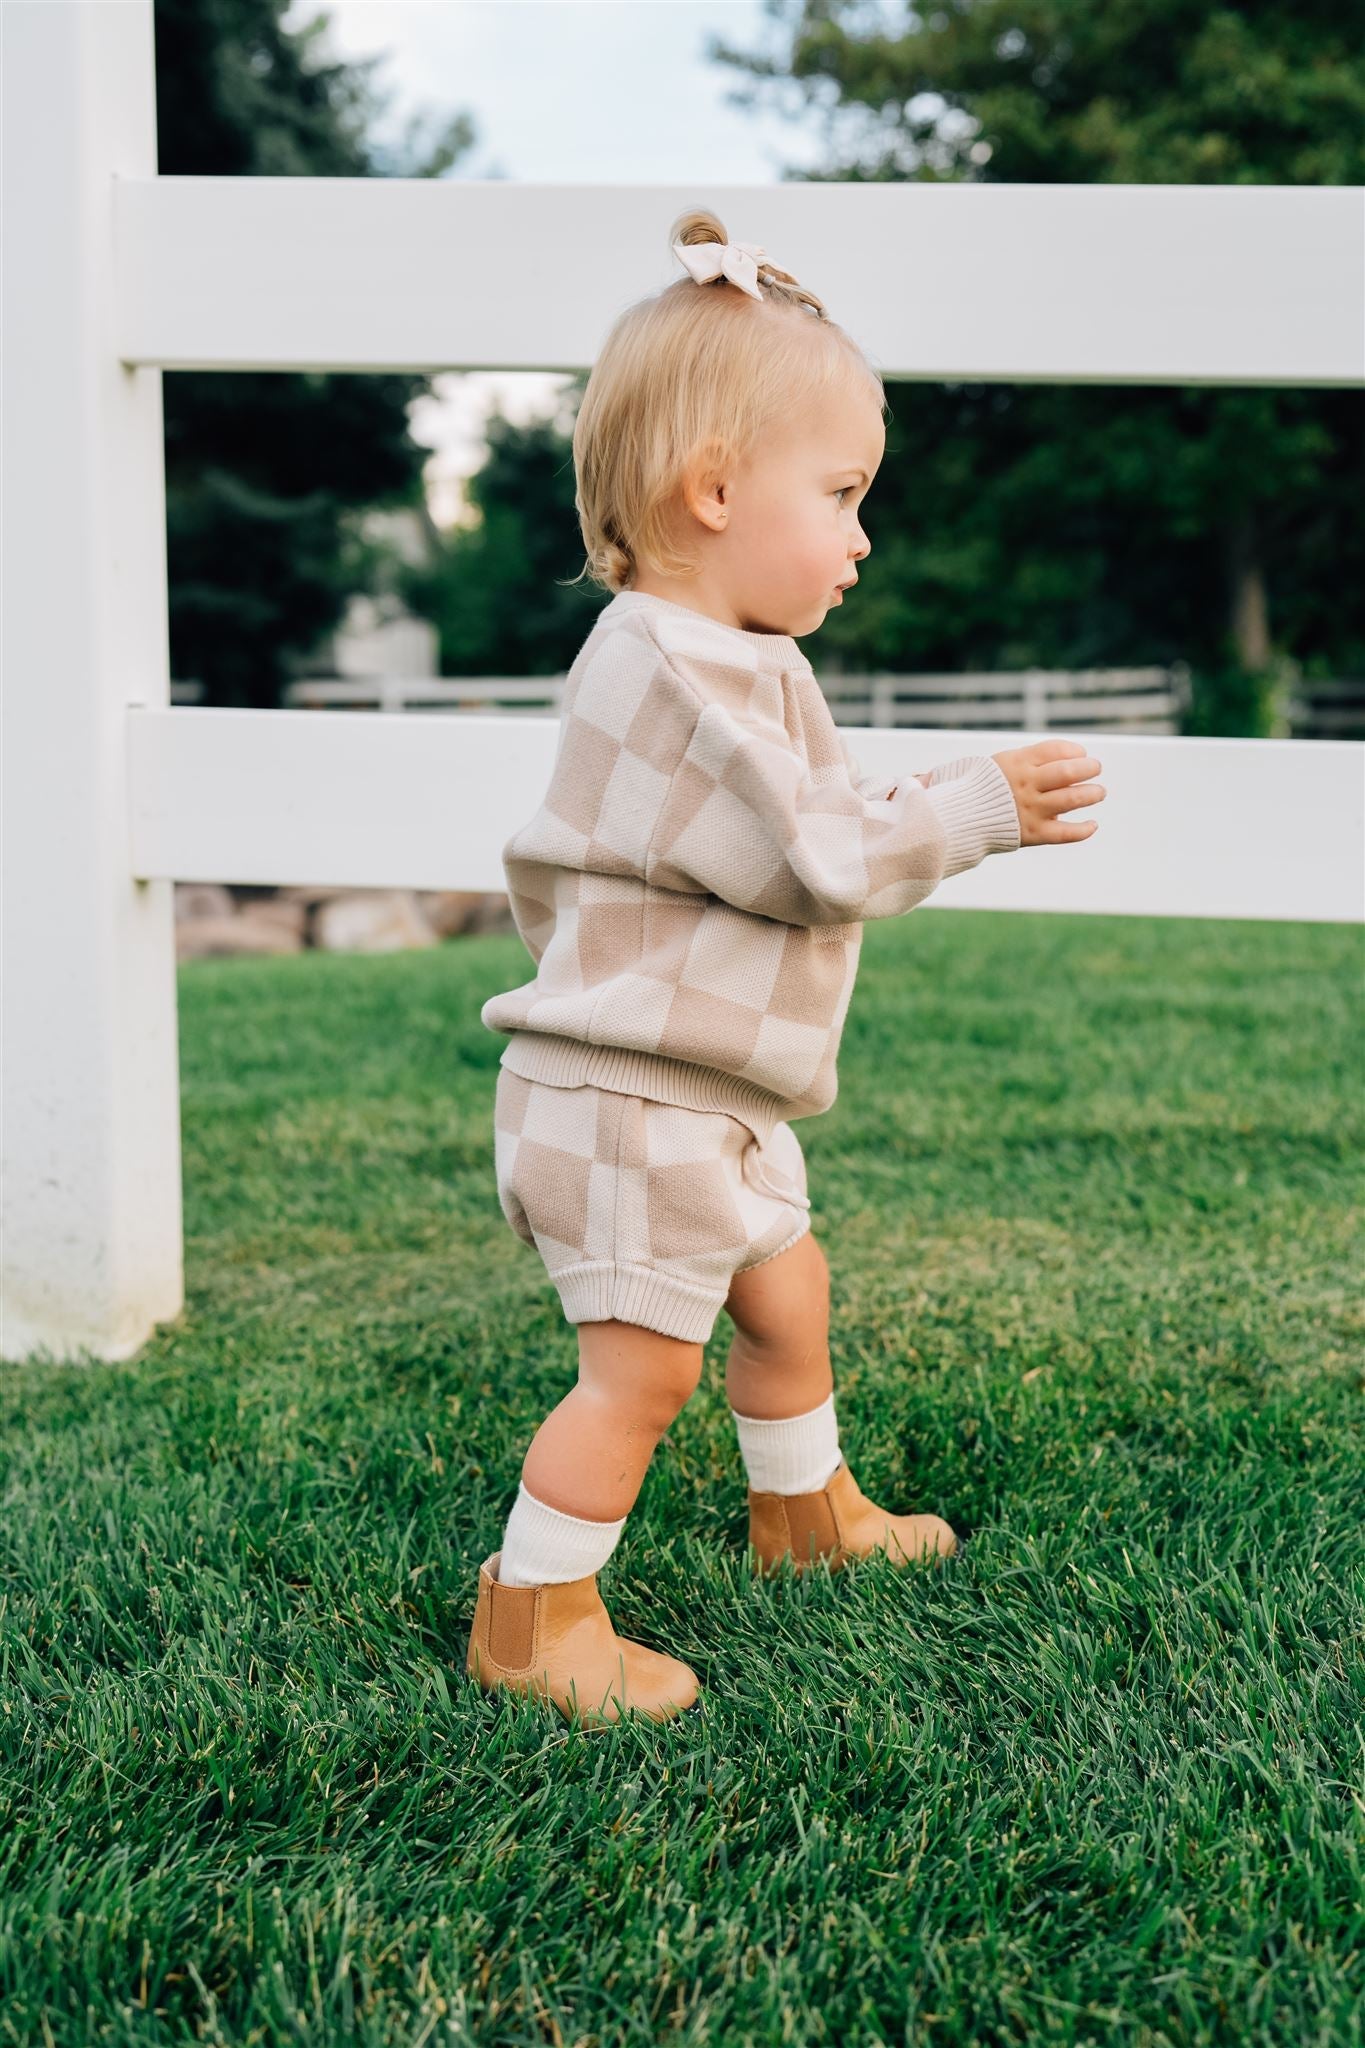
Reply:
x=693 y=885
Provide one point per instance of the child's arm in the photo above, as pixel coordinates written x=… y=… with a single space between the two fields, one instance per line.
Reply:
x=1046 y=778
x=746 y=820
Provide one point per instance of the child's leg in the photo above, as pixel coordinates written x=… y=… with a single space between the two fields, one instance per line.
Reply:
x=590 y=1454
x=540 y=1625
x=588 y=1459
x=778 y=1363
x=778 y=1375
x=803 y=1499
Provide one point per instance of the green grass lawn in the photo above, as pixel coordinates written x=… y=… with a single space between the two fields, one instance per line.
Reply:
x=1091 y=1199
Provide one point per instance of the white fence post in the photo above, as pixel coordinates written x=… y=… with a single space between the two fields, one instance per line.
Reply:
x=1035 y=702
x=92 y=1191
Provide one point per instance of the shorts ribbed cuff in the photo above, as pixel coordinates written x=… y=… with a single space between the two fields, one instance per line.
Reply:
x=603 y=1291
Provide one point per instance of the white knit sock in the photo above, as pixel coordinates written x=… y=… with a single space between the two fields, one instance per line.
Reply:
x=795 y=1455
x=543 y=1547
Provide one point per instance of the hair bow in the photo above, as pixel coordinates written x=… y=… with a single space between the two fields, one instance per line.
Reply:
x=736 y=260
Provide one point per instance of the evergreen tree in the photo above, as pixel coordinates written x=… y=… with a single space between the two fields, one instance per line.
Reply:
x=266 y=473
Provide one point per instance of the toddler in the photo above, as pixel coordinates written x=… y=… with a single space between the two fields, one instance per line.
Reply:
x=692 y=891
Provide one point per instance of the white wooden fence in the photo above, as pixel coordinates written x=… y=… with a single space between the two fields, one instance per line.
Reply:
x=540 y=695
x=1330 y=707
x=1102 y=699
x=113 y=275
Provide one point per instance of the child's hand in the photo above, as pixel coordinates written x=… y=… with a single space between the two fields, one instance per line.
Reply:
x=1047 y=778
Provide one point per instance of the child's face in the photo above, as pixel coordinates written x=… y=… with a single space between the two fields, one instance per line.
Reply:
x=785 y=529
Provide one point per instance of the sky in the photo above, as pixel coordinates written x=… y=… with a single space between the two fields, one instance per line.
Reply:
x=619 y=92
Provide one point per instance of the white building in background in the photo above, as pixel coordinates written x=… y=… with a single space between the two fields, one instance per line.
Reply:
x=374 y=639
x=378 y=635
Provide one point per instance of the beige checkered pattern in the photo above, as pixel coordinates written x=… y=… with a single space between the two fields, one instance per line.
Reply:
x=693 y=885
x=642 y=1211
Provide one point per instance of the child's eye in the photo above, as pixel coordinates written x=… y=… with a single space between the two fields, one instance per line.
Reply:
x=841 y=493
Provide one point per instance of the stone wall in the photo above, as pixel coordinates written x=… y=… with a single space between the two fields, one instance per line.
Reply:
x=216 y=919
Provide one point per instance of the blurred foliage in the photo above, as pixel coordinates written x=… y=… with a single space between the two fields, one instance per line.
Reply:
x=268 y=474
x=1012 y=525
x=1020 y=524
x=499 y=588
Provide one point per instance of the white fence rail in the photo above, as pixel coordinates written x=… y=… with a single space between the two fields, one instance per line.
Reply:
x=1150 y=284
x=1139 y=700
x=1330 y=707
x=1199 y=827
x=542 y=694
x=112 y=275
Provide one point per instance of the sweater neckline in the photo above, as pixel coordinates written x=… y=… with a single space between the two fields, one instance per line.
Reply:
x=769 y=650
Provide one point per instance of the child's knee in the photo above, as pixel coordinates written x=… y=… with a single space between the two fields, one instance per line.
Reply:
x=676 y=1384
x=784 y=1299
x=652 y=1375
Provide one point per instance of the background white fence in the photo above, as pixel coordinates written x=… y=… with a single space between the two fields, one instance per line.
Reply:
x=1110 y=700
x=112 y=275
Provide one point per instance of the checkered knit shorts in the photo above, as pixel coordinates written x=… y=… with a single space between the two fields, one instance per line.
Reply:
x=643 y=1211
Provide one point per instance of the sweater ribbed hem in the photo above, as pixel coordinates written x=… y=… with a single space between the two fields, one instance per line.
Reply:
x=569 y=1062
x=607 y=1290
x=973 y=797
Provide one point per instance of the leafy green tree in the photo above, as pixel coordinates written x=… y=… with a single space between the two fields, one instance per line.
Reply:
x=1066 y=524
x=497 y=587
x=267 y=473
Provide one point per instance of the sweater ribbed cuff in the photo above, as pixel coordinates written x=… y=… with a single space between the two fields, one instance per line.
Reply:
x=972 y=796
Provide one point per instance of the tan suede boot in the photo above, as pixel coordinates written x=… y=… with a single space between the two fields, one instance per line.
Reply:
x=839 y=1522
x=557 y=1641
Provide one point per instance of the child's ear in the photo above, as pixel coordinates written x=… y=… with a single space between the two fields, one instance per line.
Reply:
x=706 y=484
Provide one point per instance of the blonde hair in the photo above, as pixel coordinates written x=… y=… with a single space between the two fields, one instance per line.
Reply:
x=693 y=366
